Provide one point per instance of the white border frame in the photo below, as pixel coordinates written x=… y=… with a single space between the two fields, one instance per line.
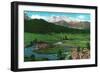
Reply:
x=22 y=64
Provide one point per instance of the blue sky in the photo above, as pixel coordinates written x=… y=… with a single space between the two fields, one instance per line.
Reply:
x=48 y=15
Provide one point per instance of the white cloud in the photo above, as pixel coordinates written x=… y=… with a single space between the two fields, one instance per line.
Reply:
x=36 y=17
x=39 y=17
x=78 y=19
x=81 y=17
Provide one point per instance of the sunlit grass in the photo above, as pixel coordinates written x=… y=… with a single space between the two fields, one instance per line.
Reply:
x=73 y=39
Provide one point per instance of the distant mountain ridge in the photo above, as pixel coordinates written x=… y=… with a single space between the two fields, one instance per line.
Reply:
x=62 y=23
x=42 y=26
x=70 y=23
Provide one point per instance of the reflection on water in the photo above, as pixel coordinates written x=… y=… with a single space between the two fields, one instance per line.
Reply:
x=68 y=53
x=29 y=52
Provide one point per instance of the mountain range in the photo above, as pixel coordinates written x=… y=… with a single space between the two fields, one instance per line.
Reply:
x=65 y=21
x=43 y=26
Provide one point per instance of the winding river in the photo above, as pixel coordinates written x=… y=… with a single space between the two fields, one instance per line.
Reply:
x=29 y=52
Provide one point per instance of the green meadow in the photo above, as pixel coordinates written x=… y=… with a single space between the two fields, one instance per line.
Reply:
x=78 y=40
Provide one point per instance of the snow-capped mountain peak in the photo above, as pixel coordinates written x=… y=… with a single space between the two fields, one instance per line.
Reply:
x=58 y=18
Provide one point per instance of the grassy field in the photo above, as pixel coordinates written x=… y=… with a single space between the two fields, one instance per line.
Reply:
x=69 y=39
